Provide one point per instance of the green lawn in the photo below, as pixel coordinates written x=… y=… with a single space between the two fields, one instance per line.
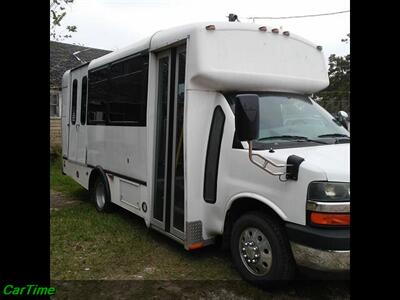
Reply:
x=82 y=238
x=64 y=184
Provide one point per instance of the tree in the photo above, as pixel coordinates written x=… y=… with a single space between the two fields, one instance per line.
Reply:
x=337 y=95
x=57 y=14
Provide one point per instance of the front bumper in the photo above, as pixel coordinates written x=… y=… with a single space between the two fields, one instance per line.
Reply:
x=320 y=249
x=323 y=260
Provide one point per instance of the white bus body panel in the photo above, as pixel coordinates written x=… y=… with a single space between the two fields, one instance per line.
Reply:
x=253 y=60
x=79 y=172
x=120 y=149
x=77 y=132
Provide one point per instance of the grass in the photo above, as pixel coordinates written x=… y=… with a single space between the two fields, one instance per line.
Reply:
x=64 y=184
x=82 y=238
x=87 y=245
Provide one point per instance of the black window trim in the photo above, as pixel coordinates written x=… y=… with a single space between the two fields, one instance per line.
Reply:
x=107 y=65
x=208 y=163
x=74 y=95
x=84 y=100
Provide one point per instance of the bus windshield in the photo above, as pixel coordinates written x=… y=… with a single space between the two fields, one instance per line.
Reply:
x=290 y=117
x=295 y=115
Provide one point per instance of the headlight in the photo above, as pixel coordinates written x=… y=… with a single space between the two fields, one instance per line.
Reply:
x=329 y=191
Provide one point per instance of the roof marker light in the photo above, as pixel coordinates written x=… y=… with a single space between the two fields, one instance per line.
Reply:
x=210 y=27
x=275 y=30
x=262 y=28
x=286 y=33
x=319 y=48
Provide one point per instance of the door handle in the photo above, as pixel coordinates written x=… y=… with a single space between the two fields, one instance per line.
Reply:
x=77 y=126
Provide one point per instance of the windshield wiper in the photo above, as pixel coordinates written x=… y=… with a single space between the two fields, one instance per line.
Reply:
x=296 y=138
x=333 y=135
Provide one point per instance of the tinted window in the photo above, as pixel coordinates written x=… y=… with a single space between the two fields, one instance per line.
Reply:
x=162 y=109
x=83 y=100
x=128 y=82
x=74 y=99
x=98 y=96
x=118 y=93
x=212 y=158
x=289 y=114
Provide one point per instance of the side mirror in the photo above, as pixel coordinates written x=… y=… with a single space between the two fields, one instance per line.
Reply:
x=247 y=117
x=343 y=118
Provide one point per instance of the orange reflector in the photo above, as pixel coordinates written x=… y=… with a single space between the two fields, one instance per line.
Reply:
x=196 y=246
x=330 y=219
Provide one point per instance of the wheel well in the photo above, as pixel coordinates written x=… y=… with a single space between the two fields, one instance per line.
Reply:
x=239 y=208
x=92 y=179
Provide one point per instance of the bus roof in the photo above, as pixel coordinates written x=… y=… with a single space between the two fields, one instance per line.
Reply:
x=163 y=38
x=238 y=56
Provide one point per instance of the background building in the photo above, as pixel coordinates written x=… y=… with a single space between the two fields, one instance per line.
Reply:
x=62 y=58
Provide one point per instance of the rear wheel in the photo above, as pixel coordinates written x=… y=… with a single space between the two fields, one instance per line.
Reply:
x=260 y=249
x=100 y=196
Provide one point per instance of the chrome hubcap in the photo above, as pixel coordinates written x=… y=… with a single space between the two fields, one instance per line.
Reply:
x=100 y=195
x=255 y=251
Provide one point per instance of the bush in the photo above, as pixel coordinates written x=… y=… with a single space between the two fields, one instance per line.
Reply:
x=55 y=152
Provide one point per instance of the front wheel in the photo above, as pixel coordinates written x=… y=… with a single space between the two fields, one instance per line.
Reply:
x=260 y=249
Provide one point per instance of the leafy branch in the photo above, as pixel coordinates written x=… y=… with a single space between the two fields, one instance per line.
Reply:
x=337 y=95
x=57 y=14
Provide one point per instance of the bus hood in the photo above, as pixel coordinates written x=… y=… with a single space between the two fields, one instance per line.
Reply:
x=331 y=160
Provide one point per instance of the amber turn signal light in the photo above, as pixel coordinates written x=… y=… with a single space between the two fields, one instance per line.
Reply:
x=319 y=218
x=196 y=245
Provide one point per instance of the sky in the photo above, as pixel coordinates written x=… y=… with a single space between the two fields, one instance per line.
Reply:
x=113 y=24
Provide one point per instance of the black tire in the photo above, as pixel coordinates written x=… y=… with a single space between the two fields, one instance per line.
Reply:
x=104 y=205
x=282 y=266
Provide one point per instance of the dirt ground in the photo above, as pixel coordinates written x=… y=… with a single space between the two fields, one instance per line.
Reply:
x=58 y=200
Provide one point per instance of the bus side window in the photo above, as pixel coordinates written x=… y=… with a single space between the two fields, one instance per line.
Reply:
x=212 y=157
x=83 y=100
x=74 y=98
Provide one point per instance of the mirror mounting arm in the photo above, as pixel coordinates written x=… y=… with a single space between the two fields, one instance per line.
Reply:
x=266 y=161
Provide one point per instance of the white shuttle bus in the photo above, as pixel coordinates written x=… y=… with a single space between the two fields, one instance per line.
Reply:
x=208 y=132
